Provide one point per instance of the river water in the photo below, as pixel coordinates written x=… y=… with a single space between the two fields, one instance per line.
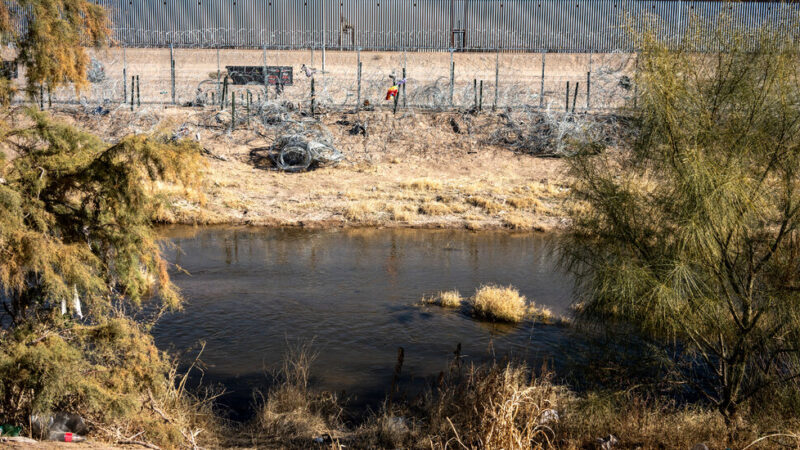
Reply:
x=253 y=292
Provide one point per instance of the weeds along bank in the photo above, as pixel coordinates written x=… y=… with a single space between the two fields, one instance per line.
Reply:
x=413 y=169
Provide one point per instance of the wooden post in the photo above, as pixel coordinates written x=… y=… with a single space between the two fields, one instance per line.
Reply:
x=313 y=96
x=358 y=95
x=49 y=98
x=566 y=105
x=138 y=97
x=480 y=97
x=496 y=78
x=452 y=76
x=133 y=83
x=396 y=98
x=575 y=96
x=541 y=89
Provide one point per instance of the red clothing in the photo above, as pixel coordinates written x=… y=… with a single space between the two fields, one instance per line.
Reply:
x=392 y=92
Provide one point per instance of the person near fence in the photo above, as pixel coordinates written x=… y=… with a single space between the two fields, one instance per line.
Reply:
x=395 y=88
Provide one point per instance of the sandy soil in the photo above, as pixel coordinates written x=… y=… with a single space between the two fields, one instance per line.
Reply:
x=410 y=170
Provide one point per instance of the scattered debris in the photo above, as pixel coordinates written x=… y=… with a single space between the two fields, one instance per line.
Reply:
x=454 y=125
x=61 y=426
x=625 y=82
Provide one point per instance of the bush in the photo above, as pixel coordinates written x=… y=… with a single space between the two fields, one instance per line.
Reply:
x=447 y=299
x=501 y=304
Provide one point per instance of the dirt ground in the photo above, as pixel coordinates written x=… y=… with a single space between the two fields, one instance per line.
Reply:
x=409 y=170
x=518 y=76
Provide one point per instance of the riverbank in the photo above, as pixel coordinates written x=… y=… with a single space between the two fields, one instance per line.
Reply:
x=415 y=169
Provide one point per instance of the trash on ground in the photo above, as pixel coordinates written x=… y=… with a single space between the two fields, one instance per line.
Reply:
x=9 y=430
x=61 y=426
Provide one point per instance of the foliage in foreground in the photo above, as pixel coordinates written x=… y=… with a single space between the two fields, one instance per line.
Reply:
x=77 y=254
x=495 y=406
x=689 y=235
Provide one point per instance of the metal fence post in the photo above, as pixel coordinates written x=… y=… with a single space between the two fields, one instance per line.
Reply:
x=358 y=95
x=589 y=83
x=566 y=102
x=219 y=87
x=264 y=63
x=452 y=76
x=138 y=97
x=541 y=89
x=124 y=74
x=496 y=78
x=575 y=96
x=172 y=71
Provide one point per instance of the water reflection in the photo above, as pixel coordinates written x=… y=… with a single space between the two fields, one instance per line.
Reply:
x=353 y=293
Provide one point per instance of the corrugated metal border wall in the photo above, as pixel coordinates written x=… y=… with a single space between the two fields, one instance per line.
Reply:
x=472 y=25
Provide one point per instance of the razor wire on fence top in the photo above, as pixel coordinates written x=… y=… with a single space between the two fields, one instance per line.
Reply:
x=149 y=77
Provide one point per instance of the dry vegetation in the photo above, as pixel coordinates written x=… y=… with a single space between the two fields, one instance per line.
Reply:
x=493 y=406
x=493 y=303
x=411 y=170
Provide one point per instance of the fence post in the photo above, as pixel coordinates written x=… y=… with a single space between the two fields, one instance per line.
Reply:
x=358 y=95
x=405 y=102
x=566 y=104
x=138 y=97
x=172 y=71
x=475 y=93
x=589 y=82
x=452 y=76
x=575 y=96
x=133 y=83
x=264 y=63
x=396 y=98
x=249 y=96
x=233 y=111
x=313 y=94
x=588 y=88
x=49 y=98
x=541 y=89
x=219 y=87
x=41 y=97
x=124 y=75
x=496 y=78
x=480 y=97
x=224 y=92
x=636 y=83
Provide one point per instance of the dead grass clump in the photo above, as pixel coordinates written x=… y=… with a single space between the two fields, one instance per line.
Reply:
x=424 y=184
x=359 y=211
x=497 y=303
x=434 y=209
x=517 y=221
x=402 y=213
x=291 y=412
x=541 y=314
x=497 y=406
x=488 y=205
x=447 y=299
x=529 y=202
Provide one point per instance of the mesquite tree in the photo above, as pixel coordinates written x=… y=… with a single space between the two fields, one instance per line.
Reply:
x=688 y=233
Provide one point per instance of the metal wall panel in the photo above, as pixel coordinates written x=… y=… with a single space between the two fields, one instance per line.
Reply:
x=527 y=25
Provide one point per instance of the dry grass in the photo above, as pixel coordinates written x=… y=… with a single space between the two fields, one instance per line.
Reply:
x=291 y=412
x=424 y=184
x=487 y=204
x=500 y=304
x=360 y=211
x=447 y=299
x=434 y=209
x=518 y=221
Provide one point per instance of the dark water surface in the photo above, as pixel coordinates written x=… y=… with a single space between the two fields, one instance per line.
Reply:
x=252 y=291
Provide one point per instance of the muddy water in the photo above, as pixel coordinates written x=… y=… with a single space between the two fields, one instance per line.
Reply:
x=252 y=292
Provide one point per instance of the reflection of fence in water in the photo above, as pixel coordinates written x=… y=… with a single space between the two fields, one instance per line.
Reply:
x=435 y=80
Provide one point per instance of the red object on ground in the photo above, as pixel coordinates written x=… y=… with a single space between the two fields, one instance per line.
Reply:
x=67 y=437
